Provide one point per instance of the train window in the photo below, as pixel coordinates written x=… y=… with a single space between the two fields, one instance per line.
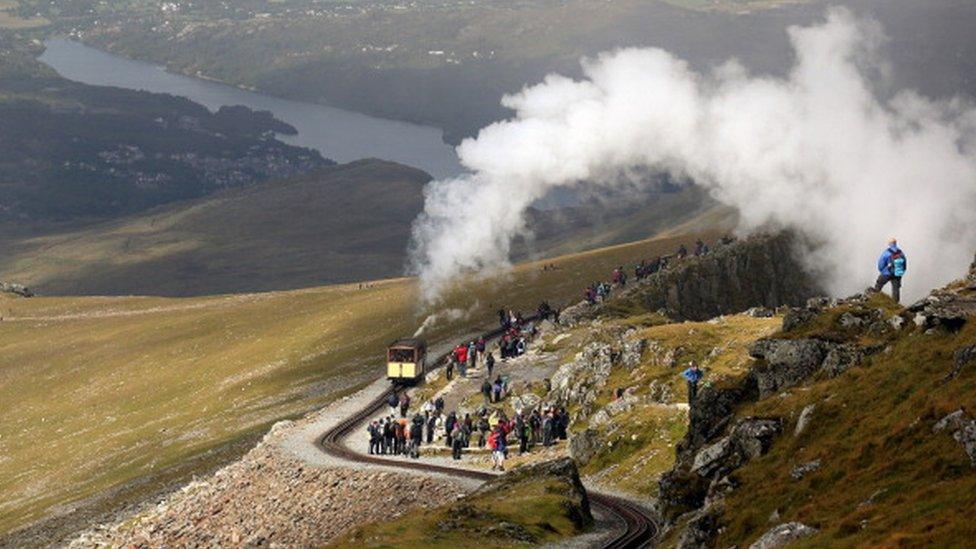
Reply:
x=401 y=355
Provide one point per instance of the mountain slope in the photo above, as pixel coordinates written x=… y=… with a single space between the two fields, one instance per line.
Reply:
x=108 y=399
x=339 y=224
x=853 y=427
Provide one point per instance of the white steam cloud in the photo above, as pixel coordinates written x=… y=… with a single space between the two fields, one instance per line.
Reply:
x=816 y=151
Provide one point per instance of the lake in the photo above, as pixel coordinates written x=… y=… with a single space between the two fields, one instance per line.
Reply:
x=338 y=134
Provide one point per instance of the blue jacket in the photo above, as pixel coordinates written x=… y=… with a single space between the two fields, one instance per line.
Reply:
x=884 y=262
x=693 y=376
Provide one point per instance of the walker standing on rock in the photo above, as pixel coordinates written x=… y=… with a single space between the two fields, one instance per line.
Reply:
x=892 y=266
x=693 y=374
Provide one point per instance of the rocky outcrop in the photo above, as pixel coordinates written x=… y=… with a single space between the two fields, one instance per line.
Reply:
x=948 y=308
x=963 y=430
x=576 y=383
x=17 y=289
x=761 y=271
x=785 y=363
x=561 y=471
x=783 y=534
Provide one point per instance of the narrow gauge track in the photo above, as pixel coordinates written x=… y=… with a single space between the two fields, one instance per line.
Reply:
x=639 y=530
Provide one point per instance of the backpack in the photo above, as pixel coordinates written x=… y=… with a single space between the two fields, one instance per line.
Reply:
x=898 y=264
x=493 y=440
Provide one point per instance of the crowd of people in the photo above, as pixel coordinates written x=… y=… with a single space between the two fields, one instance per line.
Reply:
x=488 y=427
x=597 y=292
x=402 y=433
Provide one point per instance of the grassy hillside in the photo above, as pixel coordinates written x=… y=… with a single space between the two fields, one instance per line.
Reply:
x=338 y=224
x=887 y=478
x=100 y=393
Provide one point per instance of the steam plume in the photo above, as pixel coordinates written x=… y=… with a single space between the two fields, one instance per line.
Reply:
x=816 y=151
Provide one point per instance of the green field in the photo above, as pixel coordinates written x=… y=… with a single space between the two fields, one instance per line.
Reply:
x=99 y=392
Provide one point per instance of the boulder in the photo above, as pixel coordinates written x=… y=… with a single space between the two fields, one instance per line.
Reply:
x=945 y=308
x=798 y=316
x=584 y=445
x=17 y=289
x=711 y=458
x=526 y=402
x=805 y=416
x=562 y=470
x=803 y=469
x=963 y=430
x=782 y=535
x=786 y=362
x=961 y=358
x=841 y=357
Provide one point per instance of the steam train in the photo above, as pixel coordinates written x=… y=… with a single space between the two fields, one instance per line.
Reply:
x=406 y=361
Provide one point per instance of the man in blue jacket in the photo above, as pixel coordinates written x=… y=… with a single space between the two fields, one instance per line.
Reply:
x=693 y=375
x=892 y=266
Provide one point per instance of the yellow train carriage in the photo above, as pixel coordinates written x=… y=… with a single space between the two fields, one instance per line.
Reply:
x=406 y=360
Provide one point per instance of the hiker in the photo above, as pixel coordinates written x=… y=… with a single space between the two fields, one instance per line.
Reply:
x=563 y=424
x=480 y=346
x=547 y=429
x=404 y=404
x=439 y=405
x=461 y=356
x=486 y=391
x=682 y=252
x=483 y=429
x=401 y=437
x=449 y=424
x=388 y=436
x=535 y=423
x=496 y=441
x=467 y=428
x=503 y=319
x=374 y=438
x=431 y=426
x=700 y=248
x=891 y=267
x=416 y=435
x=472 y=355
x=450 y=367
x=522 y=431
x=490 y=363
x=457 y=441
x=392 y=401
x=693 y=374
x=497 y=390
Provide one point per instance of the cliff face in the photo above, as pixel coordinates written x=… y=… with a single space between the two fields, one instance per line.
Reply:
x=758 y=271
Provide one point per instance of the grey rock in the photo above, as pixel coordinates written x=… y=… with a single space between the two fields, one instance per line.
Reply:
x=896 y=323
x=760 y=312
x=963 y=430
x=761 y=271
x=798 y=316
x=961 y=358
x=782 y=535
x=803 y=469
x=700 y=528
x=17 y=289
x=584 y=445
x=841 y=357
x=711 y=458
x=786 y=362
x=805 y=416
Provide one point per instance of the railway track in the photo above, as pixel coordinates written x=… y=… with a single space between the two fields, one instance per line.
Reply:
x=639 y=527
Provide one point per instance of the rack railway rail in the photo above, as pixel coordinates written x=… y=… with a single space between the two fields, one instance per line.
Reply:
x=639 y=527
